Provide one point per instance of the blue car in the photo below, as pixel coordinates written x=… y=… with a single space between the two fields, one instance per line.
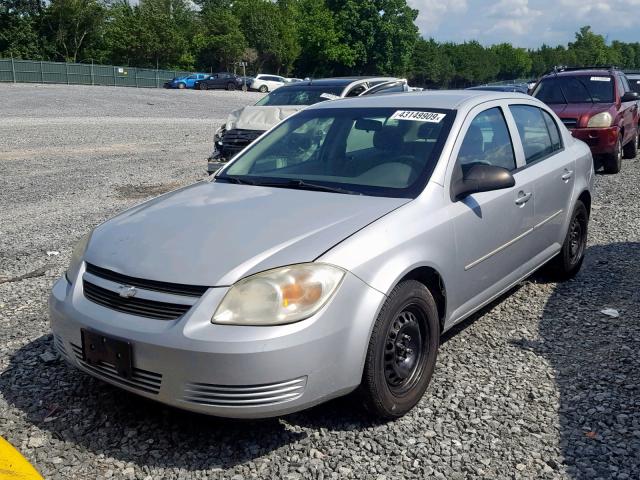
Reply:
x=188 y=81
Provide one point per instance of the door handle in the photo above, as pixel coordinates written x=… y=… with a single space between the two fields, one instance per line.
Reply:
x=523 y=198
x=566 y=176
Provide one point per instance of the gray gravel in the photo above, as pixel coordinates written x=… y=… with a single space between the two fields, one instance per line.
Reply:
x=539 y=385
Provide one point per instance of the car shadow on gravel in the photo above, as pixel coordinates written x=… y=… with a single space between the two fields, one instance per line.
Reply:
x=594 y=359
x=95 y=416
x=596 y=363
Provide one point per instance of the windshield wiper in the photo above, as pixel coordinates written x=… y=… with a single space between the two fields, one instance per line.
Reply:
x=304 y=185
x=237 y=180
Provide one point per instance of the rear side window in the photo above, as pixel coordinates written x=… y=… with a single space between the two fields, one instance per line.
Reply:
x=487 y=142
x=554 y=132
x=533 y=131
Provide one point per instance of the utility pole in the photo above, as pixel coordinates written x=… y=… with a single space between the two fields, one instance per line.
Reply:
x=13 y=69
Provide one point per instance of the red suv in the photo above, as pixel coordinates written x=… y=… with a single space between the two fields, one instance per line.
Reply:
x=599 y=107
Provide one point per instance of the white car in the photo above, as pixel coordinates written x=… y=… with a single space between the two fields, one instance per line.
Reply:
x=267 y=83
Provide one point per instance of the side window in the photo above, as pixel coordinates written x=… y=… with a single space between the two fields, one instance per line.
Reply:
x=554 y=132
x=533 y=132
x=487 y=141
x=621 y=89
x=625 y=84
x=357 y=90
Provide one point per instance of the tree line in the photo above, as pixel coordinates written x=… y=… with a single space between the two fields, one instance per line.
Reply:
x=304 y=38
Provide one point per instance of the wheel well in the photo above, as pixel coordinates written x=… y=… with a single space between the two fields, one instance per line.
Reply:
x=585 y=197
x=431 y=279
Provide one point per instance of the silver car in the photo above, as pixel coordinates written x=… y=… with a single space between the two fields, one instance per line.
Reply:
x=329 y=256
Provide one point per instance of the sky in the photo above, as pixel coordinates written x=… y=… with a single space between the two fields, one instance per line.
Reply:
x=526 y=23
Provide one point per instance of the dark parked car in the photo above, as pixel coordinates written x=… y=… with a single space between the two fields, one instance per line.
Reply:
x=512 y=87
x=224 y=80
x=598 y=106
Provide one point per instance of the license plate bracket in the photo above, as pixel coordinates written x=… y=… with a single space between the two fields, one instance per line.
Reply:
x=97 y=348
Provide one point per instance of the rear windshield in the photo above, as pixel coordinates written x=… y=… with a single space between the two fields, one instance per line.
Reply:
x=300 y=96
x=371 y=151
x=575 y=89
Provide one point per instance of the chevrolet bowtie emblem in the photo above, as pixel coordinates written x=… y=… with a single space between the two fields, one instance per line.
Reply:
x=126 y=291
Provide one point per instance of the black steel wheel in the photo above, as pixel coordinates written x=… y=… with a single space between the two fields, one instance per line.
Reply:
x=567 y=263
x=203 y=86
x=231 y=86
x=402 y=351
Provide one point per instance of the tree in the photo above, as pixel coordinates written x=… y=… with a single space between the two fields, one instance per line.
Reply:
x=321 y=44
x=220 y=41
x=513 y=63
x=381 y=34
x=270 y=29
x=589 y=48
x=430 y=67
x=73 y=26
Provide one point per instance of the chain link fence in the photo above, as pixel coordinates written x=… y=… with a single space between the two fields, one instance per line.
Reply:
x=31 y=71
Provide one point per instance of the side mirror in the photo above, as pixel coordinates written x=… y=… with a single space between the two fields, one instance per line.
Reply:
x=482 y=178
x=629 y=97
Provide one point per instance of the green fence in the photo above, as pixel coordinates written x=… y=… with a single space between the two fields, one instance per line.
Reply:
x=83 y=74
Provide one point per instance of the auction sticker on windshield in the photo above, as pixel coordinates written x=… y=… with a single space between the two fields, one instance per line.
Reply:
x=418 y=116
x=600 y=79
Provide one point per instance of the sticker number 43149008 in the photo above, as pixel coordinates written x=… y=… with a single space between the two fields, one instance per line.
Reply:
x=418 y=116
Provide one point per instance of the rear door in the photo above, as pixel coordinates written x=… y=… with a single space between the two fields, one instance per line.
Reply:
x=553 y=170
x=491 y=228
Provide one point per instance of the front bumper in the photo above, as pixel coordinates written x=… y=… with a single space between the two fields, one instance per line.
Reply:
x=600 y=140
x=229 y=371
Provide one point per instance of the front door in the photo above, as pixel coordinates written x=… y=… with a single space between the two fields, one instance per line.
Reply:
x=491 y=228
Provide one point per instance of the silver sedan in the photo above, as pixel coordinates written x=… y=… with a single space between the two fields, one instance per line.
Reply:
x=329 y=256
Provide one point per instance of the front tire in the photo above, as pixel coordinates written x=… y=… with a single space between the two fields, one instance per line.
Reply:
x=612 y=162
x=631 y=149
x=182 y=86
x=402 y=351
x=263 y=89
x=203 y=86
x=231 y=86
x=567 y=263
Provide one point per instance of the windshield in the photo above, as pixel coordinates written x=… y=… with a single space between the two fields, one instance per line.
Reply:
x=370 y=151
x=300 y=96
x=576 y=89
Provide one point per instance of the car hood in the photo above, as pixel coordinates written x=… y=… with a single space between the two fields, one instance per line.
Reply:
x=260 y=118
x=213 y=233
x=578 y=110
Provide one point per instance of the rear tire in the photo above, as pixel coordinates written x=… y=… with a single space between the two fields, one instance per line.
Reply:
x=182 y=86
x=567 y=263
x=402 y=351
x=612 y=162
x=263 y=89
x=203 y=86
x=630 y=150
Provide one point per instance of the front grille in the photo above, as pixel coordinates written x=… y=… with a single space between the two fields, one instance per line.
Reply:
x=244 y=395
x=173 y=288
x=143 y=380
x=236 y=139
x=133 y=306
x=570 y=122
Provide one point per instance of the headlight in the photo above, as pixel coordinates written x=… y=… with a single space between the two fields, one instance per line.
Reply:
x=76 y=258
x=283 y=295
x=601 y=120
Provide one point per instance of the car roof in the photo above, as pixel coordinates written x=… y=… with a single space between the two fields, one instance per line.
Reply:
x=573 y=73
x=440 y=99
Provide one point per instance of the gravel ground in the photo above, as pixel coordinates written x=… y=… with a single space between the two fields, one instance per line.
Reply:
x=538 y=385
